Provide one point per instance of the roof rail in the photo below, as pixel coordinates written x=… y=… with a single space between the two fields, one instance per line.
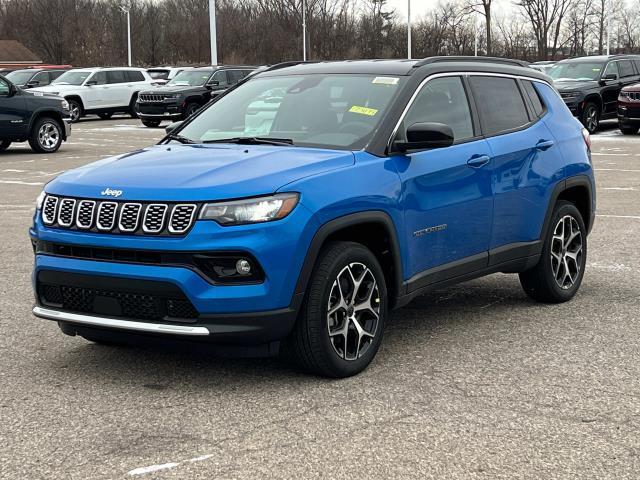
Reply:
x=463 y=58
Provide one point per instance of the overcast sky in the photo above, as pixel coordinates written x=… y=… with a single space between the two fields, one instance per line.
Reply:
x=420 y=7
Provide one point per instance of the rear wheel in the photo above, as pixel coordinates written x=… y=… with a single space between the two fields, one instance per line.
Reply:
x=46 y=135
x=558 y=275
x=105 y=115
x=629 y=129
x=151 y=123
x=591 y=117
x=342 y=318
x=75 y=110
x=4 y=144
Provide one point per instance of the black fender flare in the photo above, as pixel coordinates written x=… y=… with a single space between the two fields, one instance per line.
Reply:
x=561 y=186
x=47 y=112
x=370 y=216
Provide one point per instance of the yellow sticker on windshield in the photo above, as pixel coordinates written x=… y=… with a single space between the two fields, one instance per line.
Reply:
x=363 y=110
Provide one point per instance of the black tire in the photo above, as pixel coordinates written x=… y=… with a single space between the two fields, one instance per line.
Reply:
x=46 y=135
x=541 y=283
x=151 y=123
x=629 y=129
x=75 y=110
x=191 y=109
x=105 y=115
x=132 y=106
x=591 y=117
x=4 y=144
x=310 y=345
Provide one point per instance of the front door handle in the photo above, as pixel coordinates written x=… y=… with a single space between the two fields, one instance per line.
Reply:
x=544 y=144
x=478 y=161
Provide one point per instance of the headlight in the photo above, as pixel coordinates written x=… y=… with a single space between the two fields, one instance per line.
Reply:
x=251 y=210
x=40 y=200
x=64 y=104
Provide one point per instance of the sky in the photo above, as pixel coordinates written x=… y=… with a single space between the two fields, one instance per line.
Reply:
x=420 y=7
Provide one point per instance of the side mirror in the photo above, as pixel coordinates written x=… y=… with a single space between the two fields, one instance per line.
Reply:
x=32 y=83
x=172 y=126
x=91 y=83
x=213 y=83
x=609 y=76
x=423 y=136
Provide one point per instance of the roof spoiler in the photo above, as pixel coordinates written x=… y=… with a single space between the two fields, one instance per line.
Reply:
x=463 y=58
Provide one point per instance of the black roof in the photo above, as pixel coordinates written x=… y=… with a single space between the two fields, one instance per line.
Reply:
x=405 y=67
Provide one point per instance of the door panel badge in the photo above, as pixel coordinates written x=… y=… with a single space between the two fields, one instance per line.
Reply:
x=425 y=231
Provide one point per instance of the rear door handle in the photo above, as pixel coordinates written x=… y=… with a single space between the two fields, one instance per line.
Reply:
x=478 y=161
x=544 y=144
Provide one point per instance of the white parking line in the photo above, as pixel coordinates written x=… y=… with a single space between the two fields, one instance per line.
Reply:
x=622 y=189
x=152 y=468
x=614 y=170
x=611 y=154
x=634 y=217
x=19 y=182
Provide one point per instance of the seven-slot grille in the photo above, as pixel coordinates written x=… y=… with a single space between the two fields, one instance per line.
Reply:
x=152 y=97
x=119 y=217
x=632 y=95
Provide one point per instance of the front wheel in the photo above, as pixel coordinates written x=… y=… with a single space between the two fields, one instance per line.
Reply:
x=46 y=135
x=342 y=318
x=4 y=144
x=591 y=117
x=75 y=110
x=558 y=275
x=191 y=109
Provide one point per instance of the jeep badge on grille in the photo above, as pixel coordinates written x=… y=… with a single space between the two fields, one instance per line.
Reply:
x=111 y=193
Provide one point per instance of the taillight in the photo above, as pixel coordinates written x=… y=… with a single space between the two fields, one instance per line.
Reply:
x=587 y=138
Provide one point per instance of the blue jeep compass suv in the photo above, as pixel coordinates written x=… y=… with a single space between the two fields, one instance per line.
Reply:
x=295 y=211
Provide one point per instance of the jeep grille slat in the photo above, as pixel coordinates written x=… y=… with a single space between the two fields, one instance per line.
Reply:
x=134 y=218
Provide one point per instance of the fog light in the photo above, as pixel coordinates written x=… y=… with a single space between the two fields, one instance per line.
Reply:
x=243 y=267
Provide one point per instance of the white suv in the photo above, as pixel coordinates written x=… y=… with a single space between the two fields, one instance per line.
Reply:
x=103 y=91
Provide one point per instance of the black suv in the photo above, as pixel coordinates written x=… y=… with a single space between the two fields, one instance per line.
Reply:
x=187 y=92
x=590 y=85
x=34 y=77
x=41 y=119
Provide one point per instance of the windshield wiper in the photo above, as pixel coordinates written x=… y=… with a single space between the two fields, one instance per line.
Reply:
x=180 y=138
x=254 y=141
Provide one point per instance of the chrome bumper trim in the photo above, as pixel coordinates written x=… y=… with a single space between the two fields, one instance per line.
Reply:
x=107 y=322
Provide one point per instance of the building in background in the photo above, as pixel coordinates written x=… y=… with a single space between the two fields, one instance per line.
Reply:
x=14 y=55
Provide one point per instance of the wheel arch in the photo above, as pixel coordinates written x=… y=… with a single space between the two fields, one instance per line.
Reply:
x=77 y=98
x=577 y=190
x=48 y=113
x=593 y=98
x=373 y=229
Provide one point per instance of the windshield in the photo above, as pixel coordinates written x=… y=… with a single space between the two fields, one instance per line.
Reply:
x=334 y=111
x=19 y=77
x=72 y=78
x=193 y=78
x=576 y=71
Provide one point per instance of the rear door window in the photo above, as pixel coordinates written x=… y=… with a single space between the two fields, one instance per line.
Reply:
x=116 y=76
x=134 y=76
x=500 y=104
x=626 y=68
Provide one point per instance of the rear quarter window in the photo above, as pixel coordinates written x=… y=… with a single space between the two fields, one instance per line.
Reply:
x=534 y=97
x=500 y=104
x=134 y=76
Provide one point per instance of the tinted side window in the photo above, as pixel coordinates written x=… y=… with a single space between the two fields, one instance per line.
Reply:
x=626 y=68
x=534 y=96
x=134 y=76
x=221 y=77
x=42 y=78
x=4 y=87
x=99 y=77
x=442 y=100
x=612 y=68
x=116 y=76
x=55 y=74
x=235 y=76
x=500 y=104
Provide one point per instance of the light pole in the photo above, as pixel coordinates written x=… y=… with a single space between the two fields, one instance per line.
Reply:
x=409 y=29
x=475 y=21
x=212 y=32
x=304 y=30
x=126 y=8
x=608 y=33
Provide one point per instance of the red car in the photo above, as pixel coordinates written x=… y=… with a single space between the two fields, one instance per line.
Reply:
x=629 y=109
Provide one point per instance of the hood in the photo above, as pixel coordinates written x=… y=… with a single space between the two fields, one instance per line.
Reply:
x=571 y=85
x=55 y=88
x=174 y=89
x=179 y=172
x=632 y=88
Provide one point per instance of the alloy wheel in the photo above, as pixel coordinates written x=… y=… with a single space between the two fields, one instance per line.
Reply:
x=353 y=312
x=592 y=119
x=48 y=135
x=566 y=252
x=74 y=111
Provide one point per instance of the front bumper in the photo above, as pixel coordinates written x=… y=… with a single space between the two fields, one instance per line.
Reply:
x=629 y=113
x=159 y=110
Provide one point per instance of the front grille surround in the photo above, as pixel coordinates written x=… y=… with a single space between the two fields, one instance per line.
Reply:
x=155 y=97
x=119 y=217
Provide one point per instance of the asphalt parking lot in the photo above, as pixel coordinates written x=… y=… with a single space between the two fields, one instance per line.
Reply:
x=475 y=381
